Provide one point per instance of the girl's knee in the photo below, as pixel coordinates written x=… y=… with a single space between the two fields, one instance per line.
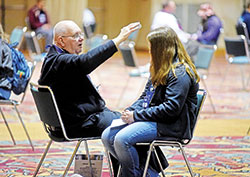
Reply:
x=105 y=135
x=120 y=141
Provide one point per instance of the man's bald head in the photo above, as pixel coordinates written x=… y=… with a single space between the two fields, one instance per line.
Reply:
x=68 y=36
x=64 y=28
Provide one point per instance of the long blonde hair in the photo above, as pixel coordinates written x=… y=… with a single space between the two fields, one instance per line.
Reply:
x=164 y=47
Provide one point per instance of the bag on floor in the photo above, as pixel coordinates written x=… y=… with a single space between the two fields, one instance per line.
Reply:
x=82 y=165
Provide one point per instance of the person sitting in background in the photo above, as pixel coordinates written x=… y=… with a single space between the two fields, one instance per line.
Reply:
x=245 y=17
x=82 y=108
x=166 y=17
x=39 y=21
x=209 y=31
x=166 y=107
x=163 y=18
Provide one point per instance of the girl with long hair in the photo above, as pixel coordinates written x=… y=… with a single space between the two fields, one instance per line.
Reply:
x=166 y=107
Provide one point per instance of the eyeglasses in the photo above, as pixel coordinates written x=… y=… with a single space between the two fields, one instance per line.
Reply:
x=76 y=36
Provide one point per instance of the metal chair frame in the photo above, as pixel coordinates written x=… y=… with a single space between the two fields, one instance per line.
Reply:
x=202 y=63
x=15 y=104
x=35 y=89
x=33 y=46
x=240 y=57
x=174 y=143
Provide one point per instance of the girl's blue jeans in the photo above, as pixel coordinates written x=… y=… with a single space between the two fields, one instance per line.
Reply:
x=120 y=142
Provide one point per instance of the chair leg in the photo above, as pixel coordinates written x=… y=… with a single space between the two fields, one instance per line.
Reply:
x=72 y=157
x=87 y=152
x=242 y=78
x=159 y=162
x=7 y=125
x=42 y=158
x=26 y=132
x=109 y=162
x=248 y=130
x=186 y=160
x=209 y=95
x=119 y=171
x=148 y=158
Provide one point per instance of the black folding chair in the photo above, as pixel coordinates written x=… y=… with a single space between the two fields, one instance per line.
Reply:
x=237 y=52
x=241 y=29
x=51 y=118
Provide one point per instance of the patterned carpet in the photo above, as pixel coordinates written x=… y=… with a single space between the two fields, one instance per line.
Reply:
x=220 y=147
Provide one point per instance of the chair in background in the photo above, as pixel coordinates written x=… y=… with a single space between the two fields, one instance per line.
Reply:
x=237 y=52
x=174 y=142
x=130 y=60
x=97 y=40
x=51 y=118
x=202 y=63
x=39 y=36
x=33 y=46
x=17 y=35
x=241 y=29
x=15 y=104
x=127 y=49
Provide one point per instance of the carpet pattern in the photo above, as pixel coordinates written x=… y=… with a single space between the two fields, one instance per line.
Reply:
x=219 y=156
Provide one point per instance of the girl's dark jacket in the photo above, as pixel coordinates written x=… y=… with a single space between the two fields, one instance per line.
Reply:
x=173 y=105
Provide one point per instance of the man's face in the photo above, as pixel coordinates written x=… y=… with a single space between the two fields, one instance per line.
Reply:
x=172 y=6
x=41 y=4
x=73 y=40
x=202 y=13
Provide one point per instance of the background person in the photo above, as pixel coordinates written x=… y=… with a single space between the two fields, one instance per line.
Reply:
x=209 y=31
x=39 y=21
x=166 y=17
x=163 y=18
x=166 y=107
x=245 y=17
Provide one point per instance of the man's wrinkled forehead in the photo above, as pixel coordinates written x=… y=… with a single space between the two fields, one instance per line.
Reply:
x=205 y=7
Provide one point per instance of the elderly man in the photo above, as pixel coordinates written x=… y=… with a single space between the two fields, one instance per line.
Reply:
x=82 y=108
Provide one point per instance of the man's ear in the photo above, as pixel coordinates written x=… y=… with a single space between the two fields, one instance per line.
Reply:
x=61 y=42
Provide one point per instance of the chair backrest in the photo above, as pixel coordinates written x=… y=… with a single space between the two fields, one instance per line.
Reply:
x=32 y=69
x=32 y=43
x=47 y=108
x=128 y=53
x=241 y=29
x=88 y=31
x=204 y=56
x=236 y=46
x=201 y=96
x=17 y=35
x=97 y=40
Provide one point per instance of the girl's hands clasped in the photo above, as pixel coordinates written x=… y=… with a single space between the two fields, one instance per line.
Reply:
x=127 y=116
